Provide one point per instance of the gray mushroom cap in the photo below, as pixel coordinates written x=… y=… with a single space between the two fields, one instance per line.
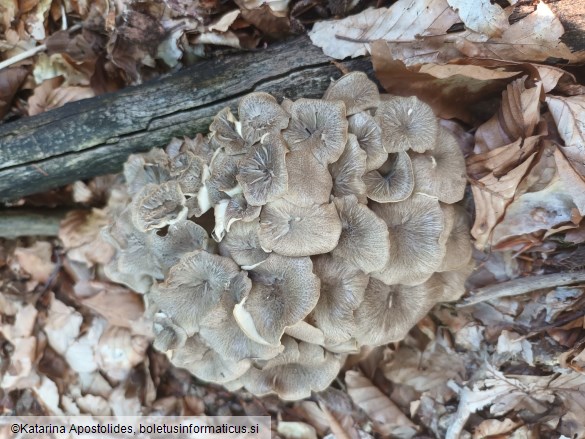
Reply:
x=356 y=91
x=220 y=330
x=167 y=335
x=291 y=230
x=407 y=124
x=188 y=170
x=243 y=245
x=142 y=257
x=197 y=282
x=225 y=133
x=441 y=172
x=305 y=368
x=342 y=290
x=388 y=312
x=347 y=172
x=369 y=137
x=262 y=172
x=205 y=363
x=260 y=114
x=143 y=169
x=393 y=182
x=417 y=239
x=304 y=191
x=228 y=212
x=284 y=291
x=364 y=240
x=458 y=247
x=318 y=126
x=157 y=206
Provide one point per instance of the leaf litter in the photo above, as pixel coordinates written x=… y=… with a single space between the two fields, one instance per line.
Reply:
x=74 y=343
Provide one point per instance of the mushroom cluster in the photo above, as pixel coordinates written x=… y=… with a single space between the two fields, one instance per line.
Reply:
x=333 y=226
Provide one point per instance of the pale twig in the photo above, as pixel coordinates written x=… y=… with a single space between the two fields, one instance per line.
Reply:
x=520 y=286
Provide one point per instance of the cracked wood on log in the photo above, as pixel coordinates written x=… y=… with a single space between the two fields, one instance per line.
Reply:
x=95 y=136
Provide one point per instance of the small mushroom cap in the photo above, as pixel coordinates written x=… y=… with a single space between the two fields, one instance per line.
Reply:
x=262 y=172
x=441 y=172
x=417 y=239
x=157 y=206
x=369 y=137
x=224 y=133
x=167 y=335
x=220 y=330
x=342 y=290
x=227 y=212
x=260 y=114
x=388 y=312
x=318 y=126
x=206 y=364
x=450 y=285
x=222 y=183
x=143 y=169
x=243 y=245
x=347 y=172
x=188 y=170
x=407 y=124
x=364 y=240
x=142 y=257
x=459 y=248
x=196 y=282
x=284 y=291
x=393 y=182
x=295 y=379
x=305 y=191
x=291 y=230
x=356 y=91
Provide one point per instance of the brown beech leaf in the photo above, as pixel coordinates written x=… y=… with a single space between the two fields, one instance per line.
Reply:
x=456 y=90
x=568 y=115
x=118 y=305
x=517 y=117
x=535 y=211
x=492 y=195
x=386 y=416
x=271 y=24
x=10 y=81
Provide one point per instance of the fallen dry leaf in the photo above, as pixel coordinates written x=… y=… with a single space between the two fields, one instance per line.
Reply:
x=387 y=418
x=10 y=81
x=296 y=430
x=36 y=260
x=482 y=16
x=567 y=113
x=418 y=38
x=454 y=90
x=401 y=22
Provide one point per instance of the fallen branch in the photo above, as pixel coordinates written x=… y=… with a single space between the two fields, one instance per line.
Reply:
x=520 y=286
x=95 y=136
x=16 y=222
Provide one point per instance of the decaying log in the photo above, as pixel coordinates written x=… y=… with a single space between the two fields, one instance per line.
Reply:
x=94 y=136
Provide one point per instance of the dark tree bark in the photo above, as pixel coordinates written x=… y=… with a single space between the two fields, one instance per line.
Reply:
x=95 y=136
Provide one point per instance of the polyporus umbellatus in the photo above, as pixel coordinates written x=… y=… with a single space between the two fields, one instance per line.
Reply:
x=330 y=226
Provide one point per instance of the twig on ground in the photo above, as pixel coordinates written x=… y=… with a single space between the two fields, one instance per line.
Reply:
x=520 y=286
